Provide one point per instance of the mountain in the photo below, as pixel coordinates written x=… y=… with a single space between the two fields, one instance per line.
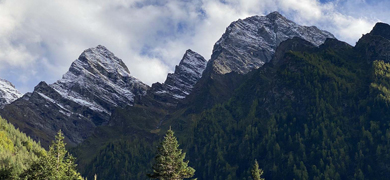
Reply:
x=99 y=81
x=246 y=45
x=180 y=83
x=250 y=43
x=8 y=93
x=312 y=112
x=96 y=83
x=149 y=117
x=307 y=107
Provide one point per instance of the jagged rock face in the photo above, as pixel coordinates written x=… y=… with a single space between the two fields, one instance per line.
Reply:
x=248 y=44
x=100 y=81
x=96 y=83
x=8 y=93
x=180 y=83
x=376 y=44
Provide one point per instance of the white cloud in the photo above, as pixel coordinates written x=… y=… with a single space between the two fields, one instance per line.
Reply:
x=14 y=55
x=154 y=69
x=39 y=39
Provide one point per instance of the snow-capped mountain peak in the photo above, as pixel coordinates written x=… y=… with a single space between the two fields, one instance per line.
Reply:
x=8 y=92
x=249 y=43
x=98 y=73
x=102 y=61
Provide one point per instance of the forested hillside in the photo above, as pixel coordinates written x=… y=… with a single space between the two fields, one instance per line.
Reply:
x=315 y=114
x=17 y=151
x=23 y=158
x=311 y=113
x=299 y=117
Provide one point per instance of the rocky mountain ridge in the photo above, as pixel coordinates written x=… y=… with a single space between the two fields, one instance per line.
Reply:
x=179 y=84
x=249 y=43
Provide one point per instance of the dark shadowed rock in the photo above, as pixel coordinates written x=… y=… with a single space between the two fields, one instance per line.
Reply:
x=381 y=29
x=376 y=44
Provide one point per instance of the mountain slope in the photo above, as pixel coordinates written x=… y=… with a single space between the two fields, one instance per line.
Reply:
x=150 y=110
x=8 y=93
x=96 y=83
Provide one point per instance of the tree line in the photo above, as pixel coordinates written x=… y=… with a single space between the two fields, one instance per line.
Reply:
x=169 y=162
x=58 y=164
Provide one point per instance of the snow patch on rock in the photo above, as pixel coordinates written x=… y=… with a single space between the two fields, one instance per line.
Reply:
x=180 y=83
x=250 y=43
x=8 y=93
x=100 y=81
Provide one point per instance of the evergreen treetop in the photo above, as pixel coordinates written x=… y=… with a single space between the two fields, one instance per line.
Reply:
x=56 y=164
x=169 y=162
x=256 y=172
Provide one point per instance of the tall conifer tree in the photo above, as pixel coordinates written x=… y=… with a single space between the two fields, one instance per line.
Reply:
x=169 y=162
x=56 y=164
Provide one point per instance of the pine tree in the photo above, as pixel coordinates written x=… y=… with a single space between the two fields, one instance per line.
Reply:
x=57 y=164
x=56 y=156
x=169 y=162
x=256 y=172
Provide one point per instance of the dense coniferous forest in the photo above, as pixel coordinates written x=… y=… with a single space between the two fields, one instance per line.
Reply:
x=311 y=113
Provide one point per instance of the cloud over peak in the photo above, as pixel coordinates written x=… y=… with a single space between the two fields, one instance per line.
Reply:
x=39 y=39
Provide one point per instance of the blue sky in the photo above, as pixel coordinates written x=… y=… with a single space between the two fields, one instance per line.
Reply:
x=40 y=39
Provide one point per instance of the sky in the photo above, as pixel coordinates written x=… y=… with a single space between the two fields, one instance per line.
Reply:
x=39 y=39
